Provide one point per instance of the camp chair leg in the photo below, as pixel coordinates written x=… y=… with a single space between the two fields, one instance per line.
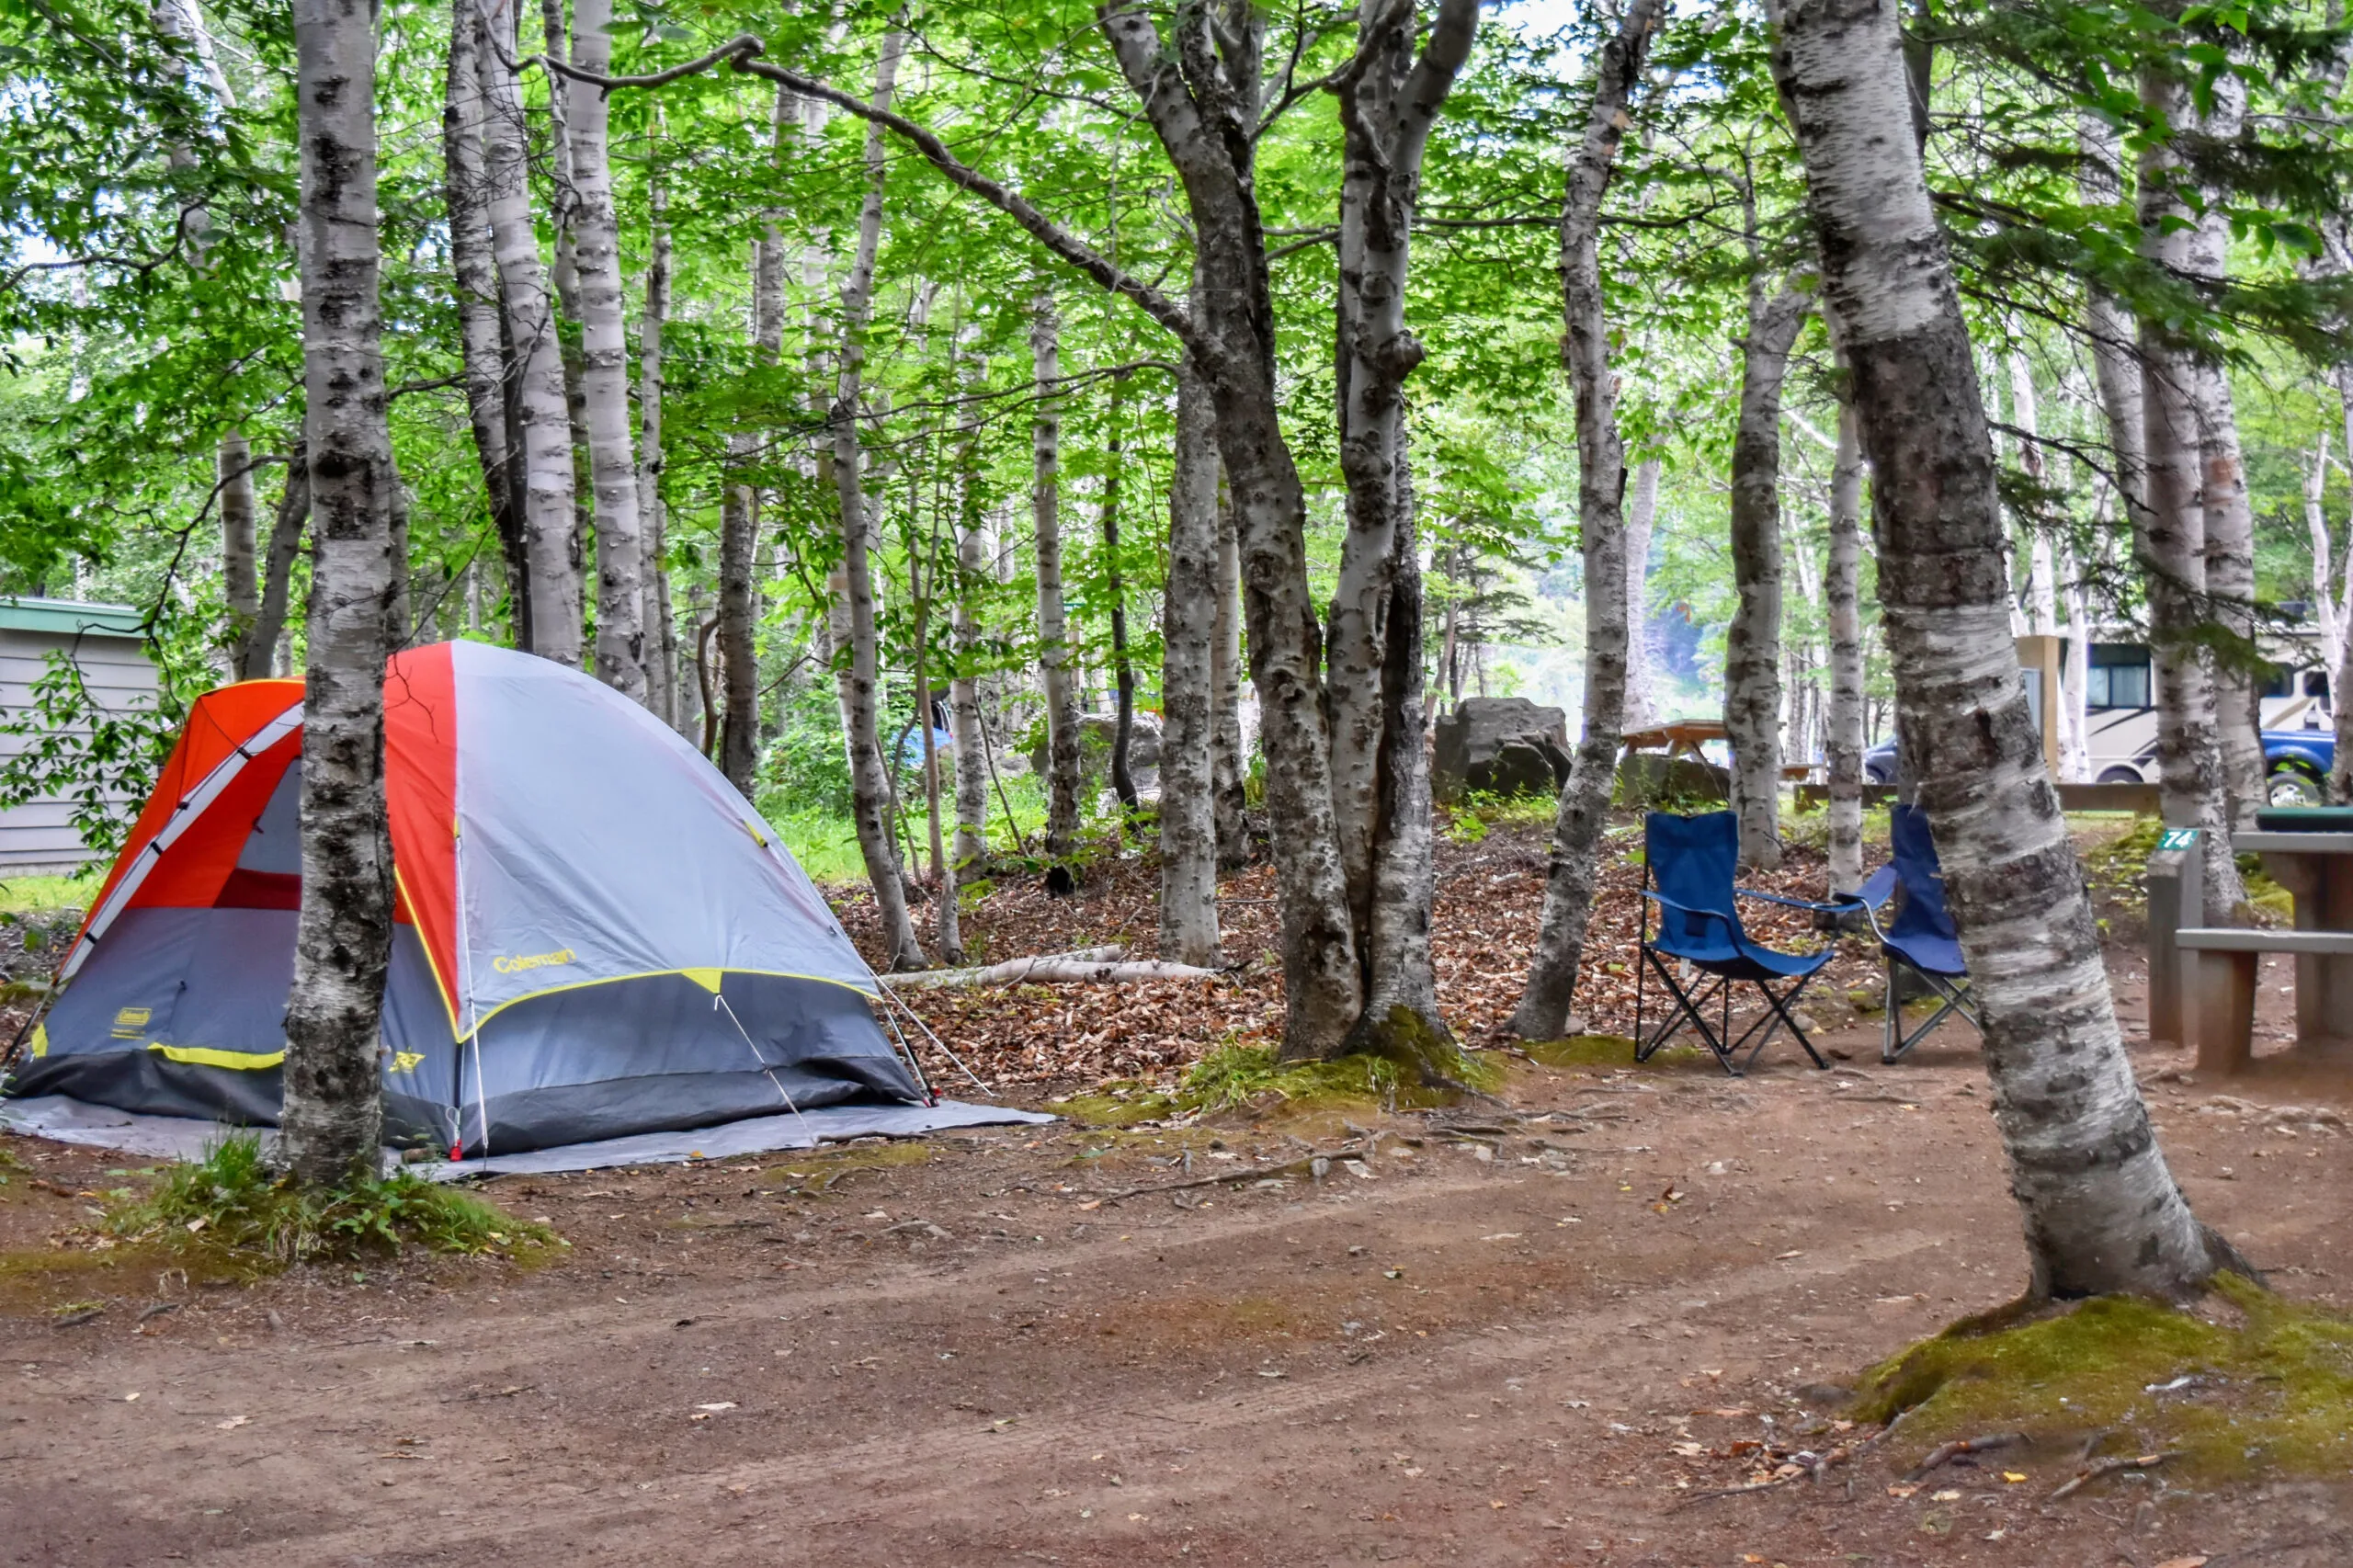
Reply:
x=1685 y=1009
x=1954 y=998
x=1777 y=1017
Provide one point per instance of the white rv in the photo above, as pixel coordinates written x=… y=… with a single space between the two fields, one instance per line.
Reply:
x=2120 y=717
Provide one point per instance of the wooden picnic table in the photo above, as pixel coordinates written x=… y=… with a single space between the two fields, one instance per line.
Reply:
x=2317 y=870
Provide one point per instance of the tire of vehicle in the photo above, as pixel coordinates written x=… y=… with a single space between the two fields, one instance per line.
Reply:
x=2291 y=786
x=2121 y=776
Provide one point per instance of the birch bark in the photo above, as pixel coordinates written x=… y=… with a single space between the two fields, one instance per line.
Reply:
x=1584 y=809
x=604 y=364
x=473 y=269
x=1842 y=590
x=240 y=587
x=1753 y=641
x=1642 y=514
x=1228 y=765
x=2230 y=519
x=860 y=679
x=537 y=392
x=660 y=631
x=1389 y=99
x=1062 y=803
x=2171 y=541
x=972 y=564
x=331 y=1126
x=1189 y=924
x=2102 y=1213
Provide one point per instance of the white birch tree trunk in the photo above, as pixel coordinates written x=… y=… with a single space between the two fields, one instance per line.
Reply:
x=972 y=572
x=537 y=390
x=1189 y=926
x=331 y=1127
x=1642 y=514
x=2102 y=1213
x=2340 y=675
x=473 y=269
x=660 y=631
x=604 y=365
x=1842 y=593
x=2230 y=518
x=1584 y=809
x=1753 y=641
x=2171 y=542
x=2041 y=588
x=861 y=679
x=1228 y=764
x=1062 y=783
x=240 y=583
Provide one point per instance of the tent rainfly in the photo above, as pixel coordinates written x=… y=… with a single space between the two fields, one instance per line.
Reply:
x=595 y=935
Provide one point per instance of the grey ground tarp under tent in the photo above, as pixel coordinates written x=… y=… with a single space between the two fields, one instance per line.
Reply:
x=67 y=1120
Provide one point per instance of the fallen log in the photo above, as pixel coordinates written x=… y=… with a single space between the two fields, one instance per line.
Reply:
x=1048 y=970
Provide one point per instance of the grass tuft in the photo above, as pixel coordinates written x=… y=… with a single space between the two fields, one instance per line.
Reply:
x=234 y=1200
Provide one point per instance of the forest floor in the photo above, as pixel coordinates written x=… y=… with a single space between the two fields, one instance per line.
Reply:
x=1530 y=1333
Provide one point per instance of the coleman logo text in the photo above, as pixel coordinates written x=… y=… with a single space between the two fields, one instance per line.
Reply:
x=522 y=961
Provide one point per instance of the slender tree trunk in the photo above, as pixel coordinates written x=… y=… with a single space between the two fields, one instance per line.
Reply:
x=1583 y=810
x=563 y=212
x=474 y=275
x=2102 y=1213
x=1389 y=99
x=1062 y=783
x=251 y=659
x=2042 y=588
x=331 y=1127
x=1123 y=675
x=1753 y=642
x=2075 y=740
x=1228 y=765
x=1188 y=927
x=739 y=685
x=1842 y=591
x=2171 y=543
x=2331 y=628
x=861 y=680
x=1642 y=513
x=537 y=393
x=964 y=692
x=603 y=366
x=240 y=588
x=660 y=631
x=2230 y=519
x=2340 y=688
x=951 y=940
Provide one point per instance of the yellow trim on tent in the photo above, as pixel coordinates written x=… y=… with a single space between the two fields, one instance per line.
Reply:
x=40 y=1039
x=697 y=976
x=449 y=998
x=203 y=1056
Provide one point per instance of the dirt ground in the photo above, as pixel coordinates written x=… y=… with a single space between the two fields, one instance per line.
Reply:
x=1531 y=1335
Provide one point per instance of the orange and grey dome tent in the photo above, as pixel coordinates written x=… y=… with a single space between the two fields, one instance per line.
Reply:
x=595 y=935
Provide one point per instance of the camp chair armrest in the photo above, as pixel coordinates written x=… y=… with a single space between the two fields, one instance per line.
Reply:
x=1830 y=908
x=1877 y=888
x=1665 y=902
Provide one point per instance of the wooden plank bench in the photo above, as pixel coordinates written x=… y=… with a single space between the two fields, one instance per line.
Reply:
x=2229 y=960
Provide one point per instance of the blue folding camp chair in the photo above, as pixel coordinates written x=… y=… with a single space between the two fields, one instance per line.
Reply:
x=1921 y=939
x=1691 y=859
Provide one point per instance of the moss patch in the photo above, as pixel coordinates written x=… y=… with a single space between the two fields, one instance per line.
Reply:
x=1237 y=1075
x=1611 y=1050
x=1116 y=1105
x=62 y=1278
x=2272 y=1391
x=820 y=1169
